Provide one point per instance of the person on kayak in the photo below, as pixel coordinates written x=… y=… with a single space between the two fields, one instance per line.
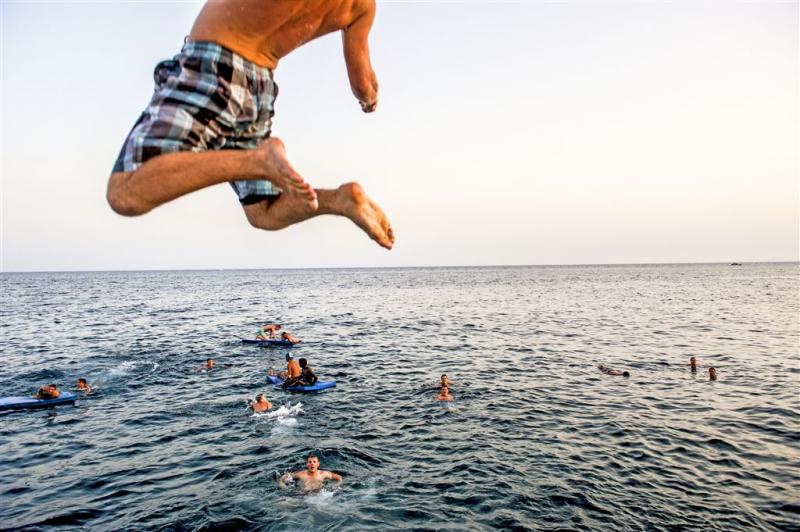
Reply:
x=48 y=392
x=267 y=331
x=307 y=377
x=293 y=372
x=289 y=338
x=312 y=478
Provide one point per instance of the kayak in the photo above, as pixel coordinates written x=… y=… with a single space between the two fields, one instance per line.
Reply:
x=269 y=343
x=320 y=385
x=12 y=403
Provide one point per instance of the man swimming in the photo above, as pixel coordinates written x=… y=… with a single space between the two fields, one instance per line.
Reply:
x=209 y=120
x=444 y=395
x=312 y=478
x=260 y=404
x=444 y=382
x=608 y=371
x=208 y=366
x=83 y=386
x=712 y=374
x=693 y=364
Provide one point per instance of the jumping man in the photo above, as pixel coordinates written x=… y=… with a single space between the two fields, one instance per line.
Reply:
x=210 y=117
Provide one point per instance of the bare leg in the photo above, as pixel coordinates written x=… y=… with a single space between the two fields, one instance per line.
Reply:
x=172 y=175
x=349 y=200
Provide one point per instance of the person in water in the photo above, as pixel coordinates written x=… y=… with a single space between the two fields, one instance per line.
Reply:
x=208 y=366
x=289 y=338
x=293 y=372
x=693 y=364
x=83 y=386
x=210 y=117
x=444 y=395
x=608 y=371
x=712 y=374
x=444 y=382
x=260 y=404
x=312 y=478
x=307 y=377
x=267 y=331
x=49 y=391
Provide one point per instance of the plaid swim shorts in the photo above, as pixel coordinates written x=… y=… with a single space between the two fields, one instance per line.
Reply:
x=206 y=98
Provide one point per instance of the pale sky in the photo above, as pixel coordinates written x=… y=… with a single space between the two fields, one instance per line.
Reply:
x=507 y=133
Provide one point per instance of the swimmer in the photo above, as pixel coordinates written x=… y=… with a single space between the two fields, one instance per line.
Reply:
x=267 y=331
x=260 y=404
x=49 y=391
x=712 y=374
x=444 y=381
x=312 y=478
x=608 y=371
x=289 y=338
x=209 y=365
x=83 y=386
x=693 y=364
x=444 y=395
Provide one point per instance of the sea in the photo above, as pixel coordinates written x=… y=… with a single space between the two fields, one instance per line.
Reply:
x=537 y=437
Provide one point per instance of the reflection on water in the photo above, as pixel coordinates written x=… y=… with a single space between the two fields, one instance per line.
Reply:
x=537 y=436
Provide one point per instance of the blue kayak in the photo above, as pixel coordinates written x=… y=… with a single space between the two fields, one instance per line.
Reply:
x=320 y=385
x=269 y=343
x=12 y=403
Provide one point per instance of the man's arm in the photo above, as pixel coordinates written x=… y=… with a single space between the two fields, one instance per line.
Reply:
x=334 y=476
x=356 y=55
x=282 y=481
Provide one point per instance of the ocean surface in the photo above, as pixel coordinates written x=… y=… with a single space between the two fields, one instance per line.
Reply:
x=537 y=438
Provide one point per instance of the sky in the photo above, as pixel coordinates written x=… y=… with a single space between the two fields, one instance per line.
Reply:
x=506 y=133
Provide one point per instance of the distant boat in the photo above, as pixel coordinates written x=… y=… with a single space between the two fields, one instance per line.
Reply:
x=736 y=263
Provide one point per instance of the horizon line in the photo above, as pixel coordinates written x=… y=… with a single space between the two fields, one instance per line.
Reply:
x=463 y=266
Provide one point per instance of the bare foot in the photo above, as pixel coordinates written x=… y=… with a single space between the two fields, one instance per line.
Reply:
x=282 y=175
x=365 y=213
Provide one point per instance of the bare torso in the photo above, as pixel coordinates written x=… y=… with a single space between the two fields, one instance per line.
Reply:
x=263 y=31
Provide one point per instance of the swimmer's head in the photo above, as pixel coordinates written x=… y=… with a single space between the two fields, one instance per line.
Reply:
x=626 y=374
x=444 y=389
x=82 y=381
x=303 y=362
x=289 y=356
x=712 y=373
x=259 y=397
x=312 y=463
x=444 y=377
x=52 y=386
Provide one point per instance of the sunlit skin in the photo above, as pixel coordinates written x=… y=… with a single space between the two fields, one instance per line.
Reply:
x=444 y=395
x=289 y=338
x=712 y=374
x=260 y=404
x=267 y=331
x=312 y=478
x=265 y=32
x=49 y=391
